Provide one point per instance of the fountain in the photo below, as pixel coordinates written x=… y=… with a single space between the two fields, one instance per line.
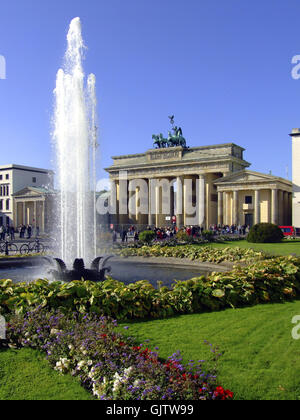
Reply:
x=75 y=140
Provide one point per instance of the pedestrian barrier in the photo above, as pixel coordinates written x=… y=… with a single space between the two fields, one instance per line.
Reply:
x=9 y=248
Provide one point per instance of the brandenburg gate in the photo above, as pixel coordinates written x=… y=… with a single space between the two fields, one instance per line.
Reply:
x=192 y=174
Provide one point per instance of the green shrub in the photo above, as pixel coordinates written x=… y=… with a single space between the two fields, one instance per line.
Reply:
x=147 y=236
x=265 y=233
x=208 y=235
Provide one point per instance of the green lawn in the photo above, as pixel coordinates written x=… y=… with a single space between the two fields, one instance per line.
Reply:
x=26 y=375
x=287 y=247
x=260 y=359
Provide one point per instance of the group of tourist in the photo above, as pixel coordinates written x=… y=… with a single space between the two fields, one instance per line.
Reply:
x=241 y=230
x=7 y=232
x=171 y=231
x=28 y=231
x=25 y=232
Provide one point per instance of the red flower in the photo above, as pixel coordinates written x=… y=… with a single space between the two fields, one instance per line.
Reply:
x=222 y=394
x=229 y=394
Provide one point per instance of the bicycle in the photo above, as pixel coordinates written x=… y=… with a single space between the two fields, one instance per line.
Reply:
x=8 y=248
x=35 y=247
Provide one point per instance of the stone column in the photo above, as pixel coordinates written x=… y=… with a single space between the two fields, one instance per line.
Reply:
x=257 y=207
x=151 y=195
x=24 y=212
x=43 y=217
x=202 y=201
x=235 y=207
x=274 y=213
x=228 y=212
x=179 y=202
x=123 y=200
x=157 y=205
x=113 y=201
x=35 y=213
x=220 y=207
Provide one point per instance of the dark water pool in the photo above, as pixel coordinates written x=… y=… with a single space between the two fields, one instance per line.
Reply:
x=126 y=272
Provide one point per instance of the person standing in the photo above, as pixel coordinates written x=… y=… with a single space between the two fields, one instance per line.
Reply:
x=29 y=232
x=124 y=236
x=12 y=233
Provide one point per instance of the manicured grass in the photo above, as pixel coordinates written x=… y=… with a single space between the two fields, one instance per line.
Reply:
x=261 y=360
x=26 y=375
x=287 y=247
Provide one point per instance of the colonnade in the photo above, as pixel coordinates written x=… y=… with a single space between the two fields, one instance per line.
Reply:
x=30 y=212
x=155 y=201
x=276 y=208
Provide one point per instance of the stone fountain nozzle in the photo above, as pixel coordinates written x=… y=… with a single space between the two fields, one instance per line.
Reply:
x=96 y=273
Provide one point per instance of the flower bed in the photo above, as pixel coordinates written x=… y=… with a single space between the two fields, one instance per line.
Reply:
x=272 y=280
x=203 y=253
x=109 y=365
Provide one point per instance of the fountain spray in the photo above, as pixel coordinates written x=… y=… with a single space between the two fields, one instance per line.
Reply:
x=75 y=139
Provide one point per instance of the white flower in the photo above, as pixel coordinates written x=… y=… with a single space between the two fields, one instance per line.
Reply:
x=128 y=371
x=62 y=365
x=81 y=364
x=96 y=391
x=118 y=379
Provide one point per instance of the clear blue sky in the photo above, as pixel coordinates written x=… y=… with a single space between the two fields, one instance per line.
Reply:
x=222 y=67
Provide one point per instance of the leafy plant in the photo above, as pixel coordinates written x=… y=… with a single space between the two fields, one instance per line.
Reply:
x=262 y=281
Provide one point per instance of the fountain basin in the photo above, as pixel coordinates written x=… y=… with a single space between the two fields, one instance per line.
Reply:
x=129 y=270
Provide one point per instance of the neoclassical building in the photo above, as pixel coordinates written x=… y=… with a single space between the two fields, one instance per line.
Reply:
x=34 y=206
x=206 y=185
x=13 y=179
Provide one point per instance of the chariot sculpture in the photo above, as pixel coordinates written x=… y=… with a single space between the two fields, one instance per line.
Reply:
x=174 y=139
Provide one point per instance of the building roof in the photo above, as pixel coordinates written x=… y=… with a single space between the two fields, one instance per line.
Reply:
x=25 y=168
x=34 y=191
x=179 y=155
x=247 y=177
